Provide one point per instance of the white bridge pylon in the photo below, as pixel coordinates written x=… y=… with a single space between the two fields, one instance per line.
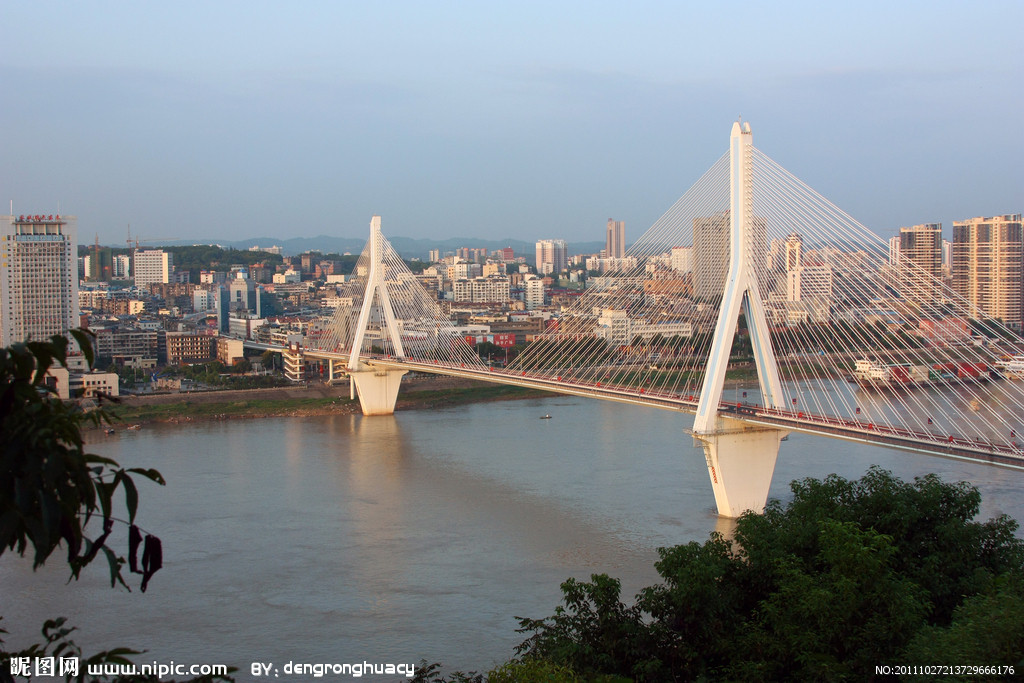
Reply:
x=377 y=388
x=741 y=457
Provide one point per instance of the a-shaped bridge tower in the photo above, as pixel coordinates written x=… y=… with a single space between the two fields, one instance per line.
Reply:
x=377 y=387
x=741 y=456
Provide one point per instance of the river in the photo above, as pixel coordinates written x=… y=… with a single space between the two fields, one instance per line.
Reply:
x=417 y=536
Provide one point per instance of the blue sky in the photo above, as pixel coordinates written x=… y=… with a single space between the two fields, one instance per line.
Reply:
x=229 y=120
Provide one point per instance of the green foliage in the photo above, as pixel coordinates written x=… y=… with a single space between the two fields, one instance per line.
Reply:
x=531 y=671
x=939 y=546
x=848 y=575
x=986 y=628
x=833 y=615
x=57 y=643
x=216 y=374
x=50 y=488
x=693 y=612
x=490 y=350
x=593 y=632
x=431 y=673
x=270 y=359
x=210 y=257
x=515 y=671
x=544 y=354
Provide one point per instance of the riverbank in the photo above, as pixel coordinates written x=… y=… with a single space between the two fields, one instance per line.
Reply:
x=302 y=401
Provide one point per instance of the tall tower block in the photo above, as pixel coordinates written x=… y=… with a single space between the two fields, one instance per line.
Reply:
x=38 y=277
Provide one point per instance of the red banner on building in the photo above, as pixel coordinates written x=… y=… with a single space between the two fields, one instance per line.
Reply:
x=506 y=340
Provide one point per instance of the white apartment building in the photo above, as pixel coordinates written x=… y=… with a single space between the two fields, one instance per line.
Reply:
x=463 y=270
x=69 y=384
x=212 y=277
x=152 y=265
x=681 y=259
x=552 y=256
x=490 y=289
x=919 y=267
x=122 y=266
x=619 y=329
x=38 y=277
x=533 y=292
x=289 y=276
x=612 y=265
x=203 y=300
x=988 y=265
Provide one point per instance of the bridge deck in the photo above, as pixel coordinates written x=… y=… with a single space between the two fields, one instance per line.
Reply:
x=850 y=429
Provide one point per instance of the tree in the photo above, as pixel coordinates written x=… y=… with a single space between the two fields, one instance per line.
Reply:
x=988 y=627
x=593 y=633
x=848 y=575
x=486 y=349
x=268 y=359
x=51 y=489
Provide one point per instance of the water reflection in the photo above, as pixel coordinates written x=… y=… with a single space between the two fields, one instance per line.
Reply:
x=419 y=535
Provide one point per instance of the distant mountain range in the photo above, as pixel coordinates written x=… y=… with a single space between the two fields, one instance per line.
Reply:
x=407 y=247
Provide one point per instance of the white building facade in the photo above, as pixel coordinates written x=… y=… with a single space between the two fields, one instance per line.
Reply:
x=38 y=277
x=152 y=265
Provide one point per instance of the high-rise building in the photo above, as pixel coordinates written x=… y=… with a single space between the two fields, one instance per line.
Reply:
x=481 y=289
x=794 y=251
x=100 y=264
x=794 y=267
x=920 y=263
x=681 y=259
x=552 y=256
x=615 y=243
x=710 y=255
x=894 y=251
x=988 y=269
x=38 y=277
x=153 y=265
x=533 y=292
x=122 y=266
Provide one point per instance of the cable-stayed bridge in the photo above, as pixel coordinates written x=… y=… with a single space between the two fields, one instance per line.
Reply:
x=749 y=272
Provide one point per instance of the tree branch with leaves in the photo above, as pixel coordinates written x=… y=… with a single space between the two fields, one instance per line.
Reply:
x=54 y=494
x=50 y=487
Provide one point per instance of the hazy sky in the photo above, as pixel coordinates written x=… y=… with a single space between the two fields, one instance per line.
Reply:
x=229 y=120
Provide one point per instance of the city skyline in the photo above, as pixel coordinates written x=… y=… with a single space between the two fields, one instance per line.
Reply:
x=492 y=122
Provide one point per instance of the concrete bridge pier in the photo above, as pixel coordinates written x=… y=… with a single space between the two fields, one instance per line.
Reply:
x=377 y=389
x=741 y=460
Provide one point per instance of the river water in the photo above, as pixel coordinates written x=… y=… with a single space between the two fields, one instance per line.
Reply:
x=417 y=536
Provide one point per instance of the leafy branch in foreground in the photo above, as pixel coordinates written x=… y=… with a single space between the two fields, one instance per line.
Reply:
x=50 y=487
